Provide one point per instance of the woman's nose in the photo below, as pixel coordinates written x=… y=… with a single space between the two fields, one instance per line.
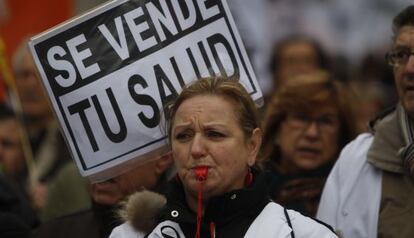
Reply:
x=198 y=149
x=410 y=64
x=312 y=130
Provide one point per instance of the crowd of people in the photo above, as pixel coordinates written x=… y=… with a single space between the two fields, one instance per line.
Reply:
x=330 y=154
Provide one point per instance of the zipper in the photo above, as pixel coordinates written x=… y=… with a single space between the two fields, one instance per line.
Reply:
x=212 y=230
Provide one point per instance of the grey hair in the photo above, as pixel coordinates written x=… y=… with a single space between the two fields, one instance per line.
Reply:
x=404 y=18
x=19 y=54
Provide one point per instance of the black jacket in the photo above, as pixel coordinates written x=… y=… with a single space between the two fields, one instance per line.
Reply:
x=16 y=215
x=232 y=213
x=304 y=189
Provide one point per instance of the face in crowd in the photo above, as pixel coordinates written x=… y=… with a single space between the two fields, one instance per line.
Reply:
x=32 y=96
x=11 y=152
x=295 y=57
x=310 y=139
x=206 y=130
x=403 y=62
x=146 y=176
x=308 y=120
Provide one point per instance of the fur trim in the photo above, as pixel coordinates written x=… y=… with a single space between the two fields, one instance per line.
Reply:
x=141 y=209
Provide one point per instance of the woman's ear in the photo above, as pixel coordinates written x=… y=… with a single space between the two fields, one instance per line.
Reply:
x=254 y=144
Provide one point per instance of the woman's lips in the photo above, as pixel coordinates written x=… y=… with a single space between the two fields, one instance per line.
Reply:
x=308 y=151
x=104 y=186
x=201 y=173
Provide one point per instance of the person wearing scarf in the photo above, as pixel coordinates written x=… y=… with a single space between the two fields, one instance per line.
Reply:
x=370 y=190
x=307 y=122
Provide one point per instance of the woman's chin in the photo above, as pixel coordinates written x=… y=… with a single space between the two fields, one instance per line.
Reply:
x=207 y=187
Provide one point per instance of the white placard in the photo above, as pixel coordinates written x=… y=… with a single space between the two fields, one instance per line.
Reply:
x=109 y=73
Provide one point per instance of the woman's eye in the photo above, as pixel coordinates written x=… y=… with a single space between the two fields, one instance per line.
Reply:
x=215 y=134
x=326 y=121
x=183 y=136
x=301 y=117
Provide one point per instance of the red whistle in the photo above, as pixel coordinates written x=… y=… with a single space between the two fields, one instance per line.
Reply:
x=201 y=173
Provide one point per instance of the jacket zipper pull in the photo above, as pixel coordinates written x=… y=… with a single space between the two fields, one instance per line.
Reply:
x=212 y=230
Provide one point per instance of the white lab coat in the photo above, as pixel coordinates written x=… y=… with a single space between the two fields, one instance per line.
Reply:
x=351 y=197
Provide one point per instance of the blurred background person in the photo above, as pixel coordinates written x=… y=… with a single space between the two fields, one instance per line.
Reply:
x=296 y=55
x=12 y=159
x=99 y=221
x=67 y=192
x=14 y=199
x=13 y=224
x=49 y=150
x=370 y=99
x=307 y=122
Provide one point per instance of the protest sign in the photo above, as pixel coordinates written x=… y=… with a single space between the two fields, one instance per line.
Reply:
x=109 y=73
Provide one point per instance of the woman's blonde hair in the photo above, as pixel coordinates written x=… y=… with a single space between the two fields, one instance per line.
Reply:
x=229 y=88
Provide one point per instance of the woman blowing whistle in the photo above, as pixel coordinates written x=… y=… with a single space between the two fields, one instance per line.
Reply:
x=215 y=136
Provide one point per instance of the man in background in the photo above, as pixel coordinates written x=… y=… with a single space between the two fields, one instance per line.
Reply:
x=370 y=190
x=16 y=214
x=99 y=221
x=49 y=150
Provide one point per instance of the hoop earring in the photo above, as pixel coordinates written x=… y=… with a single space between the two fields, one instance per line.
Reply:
x=249 y=178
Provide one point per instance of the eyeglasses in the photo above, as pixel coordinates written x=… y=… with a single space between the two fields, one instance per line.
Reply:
x=398 y=57
x=303 y=121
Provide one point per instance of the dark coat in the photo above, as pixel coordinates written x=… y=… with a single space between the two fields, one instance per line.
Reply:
x=231 y=213
x=16 y=216
x=97 y=222
x=300 y=192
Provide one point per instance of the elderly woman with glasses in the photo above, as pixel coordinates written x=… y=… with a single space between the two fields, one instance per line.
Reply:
x=307 y=122
x=219 y=191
